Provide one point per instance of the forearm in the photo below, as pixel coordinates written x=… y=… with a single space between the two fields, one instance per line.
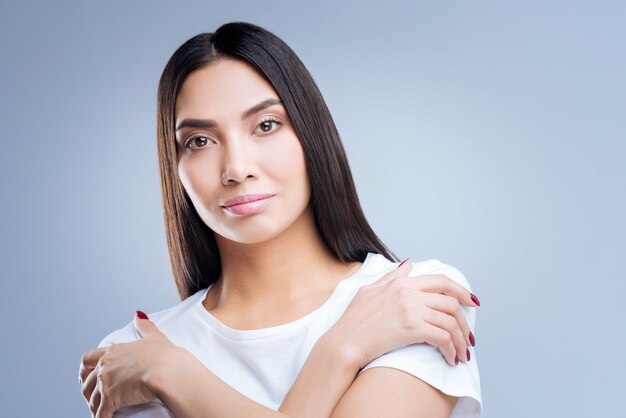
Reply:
x=327 y=373
x=189 y=390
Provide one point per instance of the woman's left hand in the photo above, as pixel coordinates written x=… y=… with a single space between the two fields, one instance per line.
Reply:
x=122 y=374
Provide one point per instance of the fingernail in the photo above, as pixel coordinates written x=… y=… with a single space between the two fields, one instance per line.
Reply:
x=475 y=299
x=468 y=356
x=141 y=315
x=456 y=360
x=472 y=340
x=401 y=264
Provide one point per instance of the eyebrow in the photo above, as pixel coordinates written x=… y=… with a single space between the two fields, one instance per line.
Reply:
x=209 y=123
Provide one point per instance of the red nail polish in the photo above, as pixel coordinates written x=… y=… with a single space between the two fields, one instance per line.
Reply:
x=141 y=315
x=401 y=264
x=475 y=299
x=468 y=356
x=472 y=340
x=456 y=360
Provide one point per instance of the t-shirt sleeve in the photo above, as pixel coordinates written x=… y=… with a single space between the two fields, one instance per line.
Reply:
x=426 y=362
x=154 y=409
x=125 y=334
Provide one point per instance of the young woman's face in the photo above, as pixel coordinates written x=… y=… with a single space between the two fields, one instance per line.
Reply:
x=239 y=158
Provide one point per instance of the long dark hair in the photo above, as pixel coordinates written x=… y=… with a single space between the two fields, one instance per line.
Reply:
x=338 y=215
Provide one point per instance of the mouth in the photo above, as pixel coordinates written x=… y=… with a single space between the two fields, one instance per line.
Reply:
x=247 y=204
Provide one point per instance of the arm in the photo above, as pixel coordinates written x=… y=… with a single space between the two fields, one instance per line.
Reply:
x=384 y=315
x=190 y=390
x=387 y=392
x=362 y=334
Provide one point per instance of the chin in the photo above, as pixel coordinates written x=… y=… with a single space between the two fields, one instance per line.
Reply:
x=256 y=236
x=259 y=228
x=253 y=233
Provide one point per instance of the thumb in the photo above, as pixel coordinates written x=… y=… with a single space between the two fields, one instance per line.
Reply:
x=403 y=269
x=144 y=326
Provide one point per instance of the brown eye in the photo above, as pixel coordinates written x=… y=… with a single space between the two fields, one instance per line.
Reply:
x=196 y=142
x=267 y=126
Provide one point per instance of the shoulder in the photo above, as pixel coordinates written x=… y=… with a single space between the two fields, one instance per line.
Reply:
x=395 y=372
x=435 y=266
x=380 y=265
x=166 y=320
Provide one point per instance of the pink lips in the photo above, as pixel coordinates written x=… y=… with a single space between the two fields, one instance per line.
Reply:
x=247 y=204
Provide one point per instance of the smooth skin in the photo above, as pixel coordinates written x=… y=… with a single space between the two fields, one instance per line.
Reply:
x=235 y=138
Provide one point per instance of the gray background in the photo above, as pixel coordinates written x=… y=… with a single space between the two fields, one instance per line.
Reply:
x=490 y=135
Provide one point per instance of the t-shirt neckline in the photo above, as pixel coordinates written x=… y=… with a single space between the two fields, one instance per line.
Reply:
x=248 y=334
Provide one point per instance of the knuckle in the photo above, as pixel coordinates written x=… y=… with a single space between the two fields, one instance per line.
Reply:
x=444 y=281
x=451 y=323
x=403 y=292
x=409 y=324
x=105 y=391
x=408 y=320
x=405 y=311
x=444 y=339
x=452 y=305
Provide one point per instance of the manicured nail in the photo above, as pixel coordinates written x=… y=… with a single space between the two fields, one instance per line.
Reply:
x=472 y=340
x=141 y=315
x=475 y=299
x=401 y=264
x=456 y=360
x=468 y=356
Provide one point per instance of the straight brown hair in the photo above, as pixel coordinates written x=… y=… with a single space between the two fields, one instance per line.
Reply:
x=338 y=214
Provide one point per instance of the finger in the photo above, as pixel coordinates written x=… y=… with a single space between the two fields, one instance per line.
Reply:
x=440 y=283
x=450 y=306
x=104 y=411
x=89 y=385
x=94 y=401
x=440 y=338
x=403 y=269
x=88 y=362
x=448 y=324
x=145 y=327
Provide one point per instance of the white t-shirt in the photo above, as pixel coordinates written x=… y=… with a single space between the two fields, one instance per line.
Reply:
x=263 y=363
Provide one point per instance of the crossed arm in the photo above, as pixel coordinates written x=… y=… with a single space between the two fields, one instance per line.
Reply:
x=377 y=392
x=386 y=314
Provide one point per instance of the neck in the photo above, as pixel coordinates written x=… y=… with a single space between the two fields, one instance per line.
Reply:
x=294 y=270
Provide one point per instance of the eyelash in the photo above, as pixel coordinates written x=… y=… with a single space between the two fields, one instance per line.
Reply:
x=278 y=123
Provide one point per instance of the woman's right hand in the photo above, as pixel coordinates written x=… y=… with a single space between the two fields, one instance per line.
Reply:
x=399 y=310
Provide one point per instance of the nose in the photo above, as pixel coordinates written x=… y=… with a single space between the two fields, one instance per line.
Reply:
x=237 y=162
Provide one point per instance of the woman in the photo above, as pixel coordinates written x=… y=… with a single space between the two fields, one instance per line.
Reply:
x=291 y=305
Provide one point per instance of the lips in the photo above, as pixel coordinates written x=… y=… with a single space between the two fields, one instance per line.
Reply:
x=248 y=204
x=245 y=199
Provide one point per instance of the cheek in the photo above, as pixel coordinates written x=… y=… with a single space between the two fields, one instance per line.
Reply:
x=287 y=162
x=195 y=179
x=295 y=168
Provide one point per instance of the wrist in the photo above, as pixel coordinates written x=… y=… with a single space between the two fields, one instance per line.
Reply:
x=161 y=379
x=343 y=354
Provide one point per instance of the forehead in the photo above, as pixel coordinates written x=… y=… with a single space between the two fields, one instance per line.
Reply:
x=220 y=89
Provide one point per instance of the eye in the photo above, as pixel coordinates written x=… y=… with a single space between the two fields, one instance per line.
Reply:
x=267 y=125
x=199 y=141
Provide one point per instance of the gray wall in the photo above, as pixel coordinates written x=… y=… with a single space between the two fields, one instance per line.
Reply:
x=487 y=134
